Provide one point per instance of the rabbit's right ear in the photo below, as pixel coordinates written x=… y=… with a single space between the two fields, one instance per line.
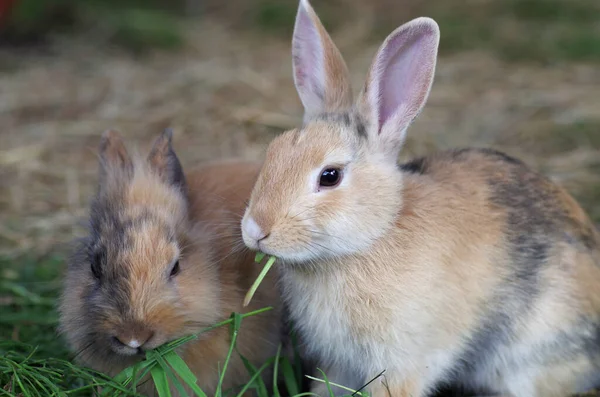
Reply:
x=164 y=161
x=114 y=158
x=399 y=82
x=320 y=73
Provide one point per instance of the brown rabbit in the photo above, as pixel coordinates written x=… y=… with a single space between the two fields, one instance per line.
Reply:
x=164 y=259
x=465 y=267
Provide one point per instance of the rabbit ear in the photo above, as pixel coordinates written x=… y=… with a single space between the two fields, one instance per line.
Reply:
x=399 y=81
x=164 y=161
x=114 y=158
x=320 y=73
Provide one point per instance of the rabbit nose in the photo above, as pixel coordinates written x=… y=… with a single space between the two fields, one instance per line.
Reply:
x=254 y=231
x=134 y=335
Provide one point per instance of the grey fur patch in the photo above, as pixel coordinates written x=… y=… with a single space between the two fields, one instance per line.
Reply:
x=535 y=221
x=350 y=120
x=361 y=128
x=110 y=233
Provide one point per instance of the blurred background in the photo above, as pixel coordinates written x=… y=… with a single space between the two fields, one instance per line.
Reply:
x=521 y=76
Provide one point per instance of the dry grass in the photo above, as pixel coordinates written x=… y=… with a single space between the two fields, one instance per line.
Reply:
x=228 y=92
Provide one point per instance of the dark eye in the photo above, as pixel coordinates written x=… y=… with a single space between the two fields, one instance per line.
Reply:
x=330 y=177
x=96 y=265
x=175 y=269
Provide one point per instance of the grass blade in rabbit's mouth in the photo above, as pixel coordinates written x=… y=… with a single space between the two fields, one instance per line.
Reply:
x=259 y=257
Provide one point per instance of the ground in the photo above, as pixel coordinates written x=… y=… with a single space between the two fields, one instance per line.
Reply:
x=522 y=76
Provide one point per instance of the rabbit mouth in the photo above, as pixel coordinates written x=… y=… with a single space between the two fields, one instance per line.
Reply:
x=121 y=349
x=297 y=257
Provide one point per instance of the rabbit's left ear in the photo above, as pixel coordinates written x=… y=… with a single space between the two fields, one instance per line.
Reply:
x=320 y=73
x=115 y=162
x=399 y=81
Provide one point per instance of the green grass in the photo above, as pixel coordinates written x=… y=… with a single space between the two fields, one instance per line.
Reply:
x=275 y=16
x=24 y=371
x=34 y=361
x=132 y=24
x=515 y=30
x=539 y=30
x=278 y=16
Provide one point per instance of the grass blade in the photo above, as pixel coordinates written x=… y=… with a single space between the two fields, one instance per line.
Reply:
x=41 y=382
x=255 y=377
x=134 y=374
x=297 y=358
x=145 y=372
x=128 y=376
x=125 y=376
x=259 y=280
x=329 y=384
x=259 y=257
x=276 y=373
x=160 y=381
x=291 y=383
x=237 y=322
x=16 y=378
x=184 y=372
x=255 y=381
x=368 y=383
x=179 y=342
x=167 y=369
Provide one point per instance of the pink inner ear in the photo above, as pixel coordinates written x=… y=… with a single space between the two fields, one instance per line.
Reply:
x=405 y=70
x=402 y=77
x=308 y=60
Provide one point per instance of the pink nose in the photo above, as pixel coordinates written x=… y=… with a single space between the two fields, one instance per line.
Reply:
x=252 y=230
x=134 y=335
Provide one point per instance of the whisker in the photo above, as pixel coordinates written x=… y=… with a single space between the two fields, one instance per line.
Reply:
x=225 y=257
x=237 y=247
x=301 y=212
x=324 y=234
x=310 y=249
x=80 y=352
x=324 y=247
x=308 y=219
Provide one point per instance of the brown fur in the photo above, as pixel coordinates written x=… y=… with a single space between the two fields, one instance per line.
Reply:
x=456 y=227
x=146 y=215
x=464 y=267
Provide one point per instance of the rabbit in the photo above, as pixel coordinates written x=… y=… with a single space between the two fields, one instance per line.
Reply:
x=464 y=267
x=162 y=260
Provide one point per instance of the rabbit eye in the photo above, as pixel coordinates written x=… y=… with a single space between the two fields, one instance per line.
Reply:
x=330 y=177
x=175 y=269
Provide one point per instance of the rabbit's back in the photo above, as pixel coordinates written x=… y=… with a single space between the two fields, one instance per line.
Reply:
x=537 y=210
x=535 y=296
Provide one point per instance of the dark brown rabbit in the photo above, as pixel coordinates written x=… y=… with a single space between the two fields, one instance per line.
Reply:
x=164 y=259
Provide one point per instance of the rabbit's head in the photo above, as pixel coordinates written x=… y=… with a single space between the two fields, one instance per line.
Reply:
x=142 y=276
x=332 y=187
